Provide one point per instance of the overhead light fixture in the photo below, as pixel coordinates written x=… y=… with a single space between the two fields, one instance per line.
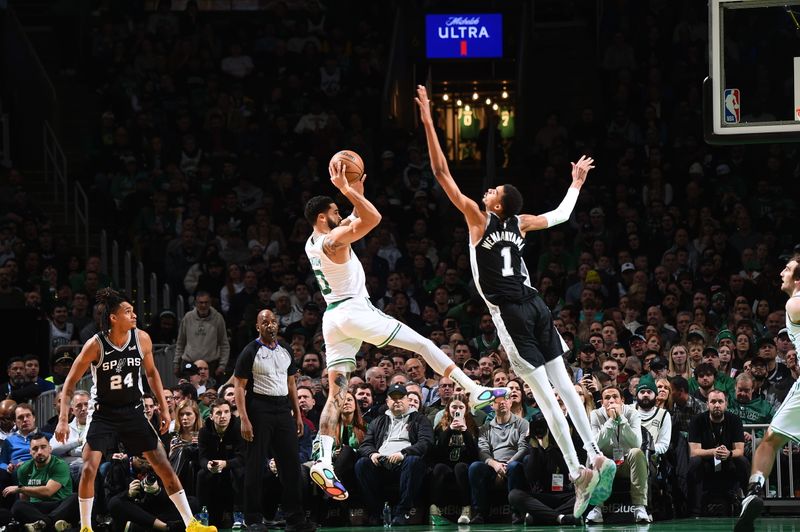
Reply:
x=466 y=107
x=488 y=101
x=459 y=102
x=446 y=97
x=495 y=107
x=505 y=94
x=475 y=96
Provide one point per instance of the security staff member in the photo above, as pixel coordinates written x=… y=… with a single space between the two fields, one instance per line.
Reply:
x=265 y=370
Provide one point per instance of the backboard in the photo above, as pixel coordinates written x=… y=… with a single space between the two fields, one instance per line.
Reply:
x=752 y=94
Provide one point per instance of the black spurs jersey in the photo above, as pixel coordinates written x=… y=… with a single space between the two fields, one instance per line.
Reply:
x=117 y=375
x=497 y=266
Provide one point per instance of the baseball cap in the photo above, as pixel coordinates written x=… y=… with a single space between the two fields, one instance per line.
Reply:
x=695 y=335
x=189 y=369
x=311 y=306
x=626 y=267
x=765 y=340
x=597 y=211
x=725 y=334
x=759 y=361
x=783 y=331
x=636 y=338
x=710 y=351
x=470 y=362
x=588 y=348
x=396 y=389
x=658 y=363
x=696 y=169
x=64 y=357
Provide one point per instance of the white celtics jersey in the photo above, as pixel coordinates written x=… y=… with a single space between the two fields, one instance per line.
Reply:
x=337 y=282
x=794 y=330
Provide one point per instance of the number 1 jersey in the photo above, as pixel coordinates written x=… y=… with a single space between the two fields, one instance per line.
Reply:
x=497 y=265
x=117 y=375
x=337 y=282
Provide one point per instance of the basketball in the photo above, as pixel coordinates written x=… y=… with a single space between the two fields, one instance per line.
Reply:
x=353 y=164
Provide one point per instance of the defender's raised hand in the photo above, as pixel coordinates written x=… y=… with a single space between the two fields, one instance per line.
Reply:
x=424 y=104
x=581 y=169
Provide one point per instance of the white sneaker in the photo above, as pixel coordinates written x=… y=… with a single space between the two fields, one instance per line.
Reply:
x=641 y=515
x=595 y=515
x=466 y=515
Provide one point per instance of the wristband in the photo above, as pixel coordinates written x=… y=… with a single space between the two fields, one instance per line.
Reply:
x=352 y=217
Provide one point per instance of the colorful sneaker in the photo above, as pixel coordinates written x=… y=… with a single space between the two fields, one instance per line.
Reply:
x=86 y=529
x=584 y=488
x=607 y=470
x=196 y=526
x=61 y=525
x=435 y=517
x=238 y=521
x=323 y=476
x=486 y=396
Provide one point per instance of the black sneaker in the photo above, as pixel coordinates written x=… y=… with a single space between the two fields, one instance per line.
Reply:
x=751 y=509
x=570 y=520
x=304 y=526
x=400 y=519
x=477 y=519
x=517 y=518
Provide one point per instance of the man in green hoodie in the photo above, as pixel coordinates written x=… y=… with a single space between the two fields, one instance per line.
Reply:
x=752 y=410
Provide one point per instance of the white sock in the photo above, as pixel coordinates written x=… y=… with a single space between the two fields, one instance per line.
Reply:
x=326 y=448
x=758 y=478
x=558 y=375
x=182 y=504
x=546 y=400
x=411 y=340
x=85 y=508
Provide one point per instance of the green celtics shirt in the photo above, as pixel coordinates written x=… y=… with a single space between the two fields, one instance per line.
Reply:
x=56 y=469
x=757 y=411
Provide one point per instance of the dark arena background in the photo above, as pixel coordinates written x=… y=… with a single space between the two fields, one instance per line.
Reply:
x=168 y=150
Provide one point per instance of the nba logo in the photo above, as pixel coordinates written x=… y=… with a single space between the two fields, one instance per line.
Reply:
x=732 y=112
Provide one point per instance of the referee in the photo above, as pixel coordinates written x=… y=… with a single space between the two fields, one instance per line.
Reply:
x=265 y=370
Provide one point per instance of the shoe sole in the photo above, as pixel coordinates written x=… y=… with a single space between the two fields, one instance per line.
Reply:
x=603 y=490
x=337 y=491
x=578 y=511
x=751 y=509
x=487 y=397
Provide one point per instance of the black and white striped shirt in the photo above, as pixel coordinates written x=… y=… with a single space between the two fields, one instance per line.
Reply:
x=266 y=369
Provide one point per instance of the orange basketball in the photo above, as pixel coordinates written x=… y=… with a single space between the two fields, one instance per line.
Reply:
x=353 y=164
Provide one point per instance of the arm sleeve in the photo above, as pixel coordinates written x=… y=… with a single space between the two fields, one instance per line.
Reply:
x=562 y=213
x=664 y=434
x=203 y=453
x=424 y=437
x=244 y=364
x=522 y=443
x=630 y=433
x=367 y=446
x=484 y=447
x=223 y=344
x=180 y=345
x=5 y=454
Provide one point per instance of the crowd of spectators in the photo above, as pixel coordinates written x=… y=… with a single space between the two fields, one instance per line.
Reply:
x=216 y=130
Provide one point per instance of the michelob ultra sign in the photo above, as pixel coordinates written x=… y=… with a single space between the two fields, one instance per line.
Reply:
x=464 y=36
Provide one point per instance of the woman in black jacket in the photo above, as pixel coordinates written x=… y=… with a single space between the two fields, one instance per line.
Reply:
x=455 y=448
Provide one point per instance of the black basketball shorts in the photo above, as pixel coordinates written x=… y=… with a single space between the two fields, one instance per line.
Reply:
x=109 y=426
